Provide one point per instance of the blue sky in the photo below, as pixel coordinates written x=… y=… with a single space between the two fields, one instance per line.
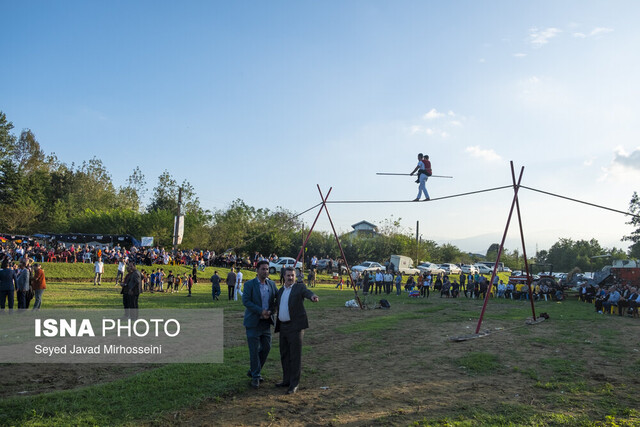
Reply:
x=264 y=100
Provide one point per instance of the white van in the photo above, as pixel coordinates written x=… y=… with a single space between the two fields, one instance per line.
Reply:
x=404 y=264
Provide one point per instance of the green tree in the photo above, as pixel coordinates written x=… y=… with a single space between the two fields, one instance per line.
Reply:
x=492 y=252
x=27 y=154
x=165 y=195
x=90 y=187
x=449 y=253
x=130 y=195
x=7 y=139
x=634 y=237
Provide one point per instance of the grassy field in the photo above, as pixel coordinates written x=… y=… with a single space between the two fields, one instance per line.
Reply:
x=371 y=367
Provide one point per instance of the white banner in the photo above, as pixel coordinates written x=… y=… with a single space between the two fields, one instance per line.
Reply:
x=147 y=241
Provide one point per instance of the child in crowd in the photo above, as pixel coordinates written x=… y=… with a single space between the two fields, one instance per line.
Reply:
x=189 y=284
x=176 y=283
x=170 y=280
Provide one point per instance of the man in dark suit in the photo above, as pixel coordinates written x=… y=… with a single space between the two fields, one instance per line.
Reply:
x=291 y=323
x=231 y=283
x=132 y=287
x=259 y=299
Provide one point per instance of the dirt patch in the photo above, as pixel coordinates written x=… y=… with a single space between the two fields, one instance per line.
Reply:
x=396 y=376
x=25 y=380
x=399 y=371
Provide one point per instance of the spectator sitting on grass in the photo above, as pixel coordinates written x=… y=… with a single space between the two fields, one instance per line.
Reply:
x=445 y=288
x=455 y=289
x=411 y=283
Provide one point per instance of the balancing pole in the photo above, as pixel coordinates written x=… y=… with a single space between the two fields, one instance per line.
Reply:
x=344 y=258
x=516 y=187
x=408 y=174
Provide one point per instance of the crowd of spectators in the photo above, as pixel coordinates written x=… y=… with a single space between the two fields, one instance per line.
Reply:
x=149 y=256
x=23 y=281
x=621 y=298
x=452 y=286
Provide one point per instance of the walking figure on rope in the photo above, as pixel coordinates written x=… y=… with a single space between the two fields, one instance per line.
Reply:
x=424 y=172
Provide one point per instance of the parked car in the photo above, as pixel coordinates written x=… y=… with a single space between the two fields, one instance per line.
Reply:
x=519 y=273
x=283 y=262
x=483 y=269
x=469 y=269
x=323 y=265
x=506 y=269
x=430 y=268
x=369 y=266
x=450 y=268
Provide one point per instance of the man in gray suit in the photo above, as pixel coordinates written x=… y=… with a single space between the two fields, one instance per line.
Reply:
x=259 y=299
x=291 y=323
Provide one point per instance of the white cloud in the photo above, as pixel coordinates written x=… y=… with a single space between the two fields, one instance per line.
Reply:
x=624 y=168
x=488 y=155
x=433 y=114
x=628 y=160
x=588 y=162
x=600 y=30
x=440 y=125
x=519 y=55
x=420 y=130
x=539 y=38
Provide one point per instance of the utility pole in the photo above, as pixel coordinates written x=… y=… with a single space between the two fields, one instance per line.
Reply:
x=178 y=223
x=417 y=242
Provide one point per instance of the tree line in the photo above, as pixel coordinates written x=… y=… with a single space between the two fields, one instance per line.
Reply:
x=40 y=193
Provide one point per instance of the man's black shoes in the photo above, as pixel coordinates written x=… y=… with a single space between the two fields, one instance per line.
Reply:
x=292 y=389
x=255 y=383
x=282 y=384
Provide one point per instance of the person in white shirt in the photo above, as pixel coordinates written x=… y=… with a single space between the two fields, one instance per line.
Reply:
x=379 y=281
x=121 y=268
x=291 y=322
x=388 y=280
x=98 y=269
x=355 y=277
x=238 y=289
x=422 y=170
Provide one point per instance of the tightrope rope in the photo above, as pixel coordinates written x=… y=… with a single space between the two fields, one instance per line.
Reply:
x=580 y=201
x=411 y=201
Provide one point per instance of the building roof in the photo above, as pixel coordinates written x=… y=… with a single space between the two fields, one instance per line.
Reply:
x=363 y=222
